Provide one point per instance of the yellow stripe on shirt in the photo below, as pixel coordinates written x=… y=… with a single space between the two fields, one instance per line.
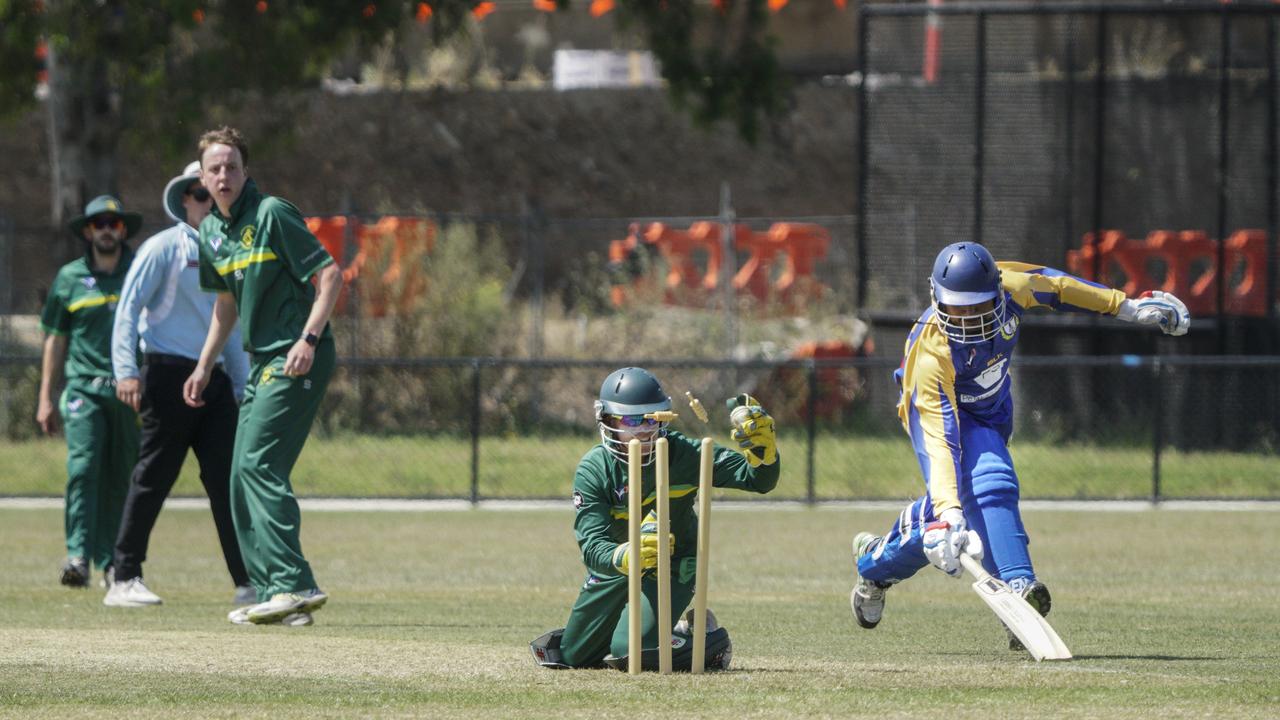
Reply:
x=678 y=491
x=228 y=266
x=92 y=302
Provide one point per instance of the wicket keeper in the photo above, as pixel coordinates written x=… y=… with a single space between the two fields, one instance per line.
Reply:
x=257 y=254
x=596 y=632
x=957 y=408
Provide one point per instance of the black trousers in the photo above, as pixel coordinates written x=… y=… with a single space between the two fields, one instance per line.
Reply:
x=169 y=427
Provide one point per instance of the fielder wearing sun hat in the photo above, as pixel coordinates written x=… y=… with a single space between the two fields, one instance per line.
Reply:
x=105 y=205
x=178 y=187
x=101 y=432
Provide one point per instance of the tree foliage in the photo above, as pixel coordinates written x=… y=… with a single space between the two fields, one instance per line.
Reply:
x=177 y=54
x=159 y=70
x=718 y=60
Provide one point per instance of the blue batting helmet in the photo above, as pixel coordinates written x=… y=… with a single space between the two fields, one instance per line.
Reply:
x=964 y=275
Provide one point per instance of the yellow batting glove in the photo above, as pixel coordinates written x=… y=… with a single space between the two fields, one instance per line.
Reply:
x=753 y=431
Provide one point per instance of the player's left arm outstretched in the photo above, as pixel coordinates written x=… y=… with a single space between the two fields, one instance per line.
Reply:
x=1038 y=286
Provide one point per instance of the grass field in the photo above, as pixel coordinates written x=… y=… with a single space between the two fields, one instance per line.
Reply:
x=1170 y=614
x=845 y=467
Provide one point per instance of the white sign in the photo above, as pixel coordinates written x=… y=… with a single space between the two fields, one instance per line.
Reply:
x=574 y=69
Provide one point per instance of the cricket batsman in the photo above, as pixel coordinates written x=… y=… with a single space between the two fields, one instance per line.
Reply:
x=957 y=409
x=596 y=633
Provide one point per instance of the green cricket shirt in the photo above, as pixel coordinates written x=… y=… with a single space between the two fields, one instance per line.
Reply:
x=600 y=496
x=264 y=256
x=82 y=306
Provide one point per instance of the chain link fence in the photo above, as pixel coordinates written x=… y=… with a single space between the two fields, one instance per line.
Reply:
x=1029 y=126
x=1126 y=427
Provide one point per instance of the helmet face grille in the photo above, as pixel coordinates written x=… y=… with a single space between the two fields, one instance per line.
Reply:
x=964 y=275
x=617 y=441
x=975 y=328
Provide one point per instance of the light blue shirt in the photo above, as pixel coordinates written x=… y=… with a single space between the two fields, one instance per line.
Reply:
x=162 y=301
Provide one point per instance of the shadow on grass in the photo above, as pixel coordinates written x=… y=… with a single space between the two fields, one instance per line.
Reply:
x=1165 y=658
x=437 y=625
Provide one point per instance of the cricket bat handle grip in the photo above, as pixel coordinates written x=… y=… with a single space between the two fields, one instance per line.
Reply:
x=974 y=566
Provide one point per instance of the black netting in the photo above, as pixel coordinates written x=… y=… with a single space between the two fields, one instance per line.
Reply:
x=1043 y=124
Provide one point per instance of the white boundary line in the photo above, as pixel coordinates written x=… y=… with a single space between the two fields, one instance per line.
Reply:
x=411 y=505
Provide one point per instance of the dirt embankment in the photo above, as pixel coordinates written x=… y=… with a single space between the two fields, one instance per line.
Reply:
x=580 y=154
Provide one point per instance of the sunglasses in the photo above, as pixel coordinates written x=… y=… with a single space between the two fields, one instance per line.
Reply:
x=102 y=222
x=199 y=194
x=636 y=421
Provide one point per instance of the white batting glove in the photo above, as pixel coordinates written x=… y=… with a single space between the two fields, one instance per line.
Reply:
x=1157 y=308
x=944 y=540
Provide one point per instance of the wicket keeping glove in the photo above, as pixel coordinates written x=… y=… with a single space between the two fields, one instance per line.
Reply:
x=944 y=540
x=648 y=547
x=753 y=430
x=1157 y=308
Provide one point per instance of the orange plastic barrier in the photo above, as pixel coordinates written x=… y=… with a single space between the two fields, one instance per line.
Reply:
x=332 y=232
x=403 y=241
x=753 y=276
x=706 y=235
x=621 y=253
x=1184 y=263
x=686 y=282
x=400 y=240
x=1248 y=297
x=803 y=245
x=694 y=258
x=838 y=387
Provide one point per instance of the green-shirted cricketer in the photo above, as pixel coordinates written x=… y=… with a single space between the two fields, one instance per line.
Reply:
x=596 y=632
x=102 y=432
x=257 y=254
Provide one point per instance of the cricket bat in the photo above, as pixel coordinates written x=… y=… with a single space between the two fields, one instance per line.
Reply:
x=1037 y=636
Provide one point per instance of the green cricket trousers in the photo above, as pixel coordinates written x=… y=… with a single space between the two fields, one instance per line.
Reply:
x=275 y=419
x=598 y=622
x=102 y=447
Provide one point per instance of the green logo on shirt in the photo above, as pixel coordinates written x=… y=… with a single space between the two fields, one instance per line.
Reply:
x=246 y=237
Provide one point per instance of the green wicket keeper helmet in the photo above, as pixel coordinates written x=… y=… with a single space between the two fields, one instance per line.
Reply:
x=626 y=396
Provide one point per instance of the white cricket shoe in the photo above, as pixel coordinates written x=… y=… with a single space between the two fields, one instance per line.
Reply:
x=245 y=595
x=283 y=604
x=130 y=593
x=867 y=596
x=240 y=616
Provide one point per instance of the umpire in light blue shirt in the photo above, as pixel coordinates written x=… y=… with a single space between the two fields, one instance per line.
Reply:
x=162 y=303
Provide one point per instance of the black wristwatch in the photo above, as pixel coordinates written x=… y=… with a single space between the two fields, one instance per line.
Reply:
x=311 y=339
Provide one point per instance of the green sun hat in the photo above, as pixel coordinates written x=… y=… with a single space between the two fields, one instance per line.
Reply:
x=105 y=205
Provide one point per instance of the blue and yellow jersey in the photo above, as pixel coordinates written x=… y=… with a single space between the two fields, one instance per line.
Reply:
x=946 y=383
